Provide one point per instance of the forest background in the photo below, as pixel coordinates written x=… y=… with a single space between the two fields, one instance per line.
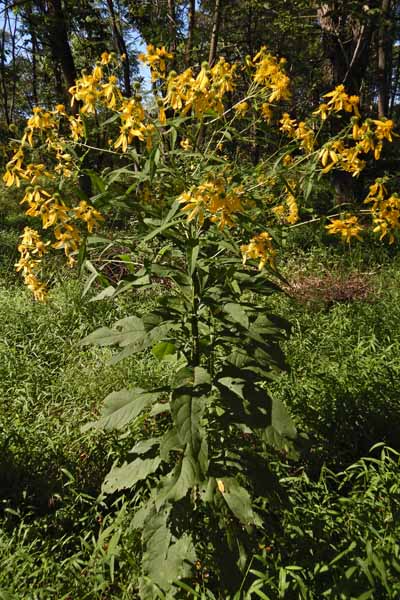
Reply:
x=298 y=500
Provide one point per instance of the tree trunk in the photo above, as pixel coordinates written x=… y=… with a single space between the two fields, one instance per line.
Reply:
x=3 y=70
x=216 y=21
x=121 y=46
x=384 y=62
x=346 y=41
x=14 y=64
x=171 y=26
x=32 y=32
x=191 y=26
x=59 y=44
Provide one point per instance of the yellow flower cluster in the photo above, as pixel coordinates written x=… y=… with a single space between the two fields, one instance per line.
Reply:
x=41 y=120
x=385 y=210
x=187 y=93
x=31 y=249
x=157 y=59
x=215 y=198
x=347 y=227
x=337 y=155
x=288 y=210
x=14 y=170
x=339 y=101
x=269 y=73
x=298 y=131
x=368 y=137
x=132 y=116
x=95 y=87
x=260 y=247
x=54 y=213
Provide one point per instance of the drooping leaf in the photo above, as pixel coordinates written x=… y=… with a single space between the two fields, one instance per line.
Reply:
x=238 y=500
x=184 y=477
x=129 y=474
x=165 y=558
x=156 y=539
x=237 y=314
x=144 y=446
x=120 y=408
x=124 y=332
x=282 y=430
x=163 y=350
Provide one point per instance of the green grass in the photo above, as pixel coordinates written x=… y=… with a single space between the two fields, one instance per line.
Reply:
x=50 y=472
x=59 y=540
x=344 y=384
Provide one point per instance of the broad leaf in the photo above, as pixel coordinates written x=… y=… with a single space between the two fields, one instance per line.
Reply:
x=163 y=350
x=239 y=501
x=282 y=431
x=124 y=332
x=184 y=477
x=144 y=446
x=165 y=559
x=129 y=474
x=237 y=314
x=120 y=408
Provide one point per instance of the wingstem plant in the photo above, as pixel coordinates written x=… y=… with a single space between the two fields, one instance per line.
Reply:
x=208 y=465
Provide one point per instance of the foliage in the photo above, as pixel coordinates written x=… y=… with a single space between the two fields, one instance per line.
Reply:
x=220 y=342
x=49 y=384
x=339 y=538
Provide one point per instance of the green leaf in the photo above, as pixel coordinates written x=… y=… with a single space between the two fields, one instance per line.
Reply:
x=144 y=446
x=237 y=314
x=192 y=255
x=187 y=411
x=175 y=486
x=120 y=408
x=168 y=222
x=144 y=341
x=235 y=385
x=170 y=441
x=164 y=559
x=281 y=430
x=129 y=474
x=238 y=500
x=124 y=332
x=163 y=350
x=156 y=539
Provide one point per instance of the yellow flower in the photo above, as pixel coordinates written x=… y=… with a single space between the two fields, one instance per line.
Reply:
x=162 y=116
x=348 y=228
x=267 y=112
x=383 y=129
x=288 y=125
x=87 y=213
x=77 y=130
x=111 y=92
x=105 y=58
x=260 y=247
x=215 y=197
x=68 y=238
x=185 y=144
x=338 y=98
x=242 y=108
x=156 y=59
x=269 y=74
x=306 y=136
x=322 y=110
x=194 y=205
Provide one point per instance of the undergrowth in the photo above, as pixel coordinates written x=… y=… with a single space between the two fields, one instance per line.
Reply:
x=336 y=537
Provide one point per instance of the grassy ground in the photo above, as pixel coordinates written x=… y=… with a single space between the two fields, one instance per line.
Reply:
x=56 y=541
